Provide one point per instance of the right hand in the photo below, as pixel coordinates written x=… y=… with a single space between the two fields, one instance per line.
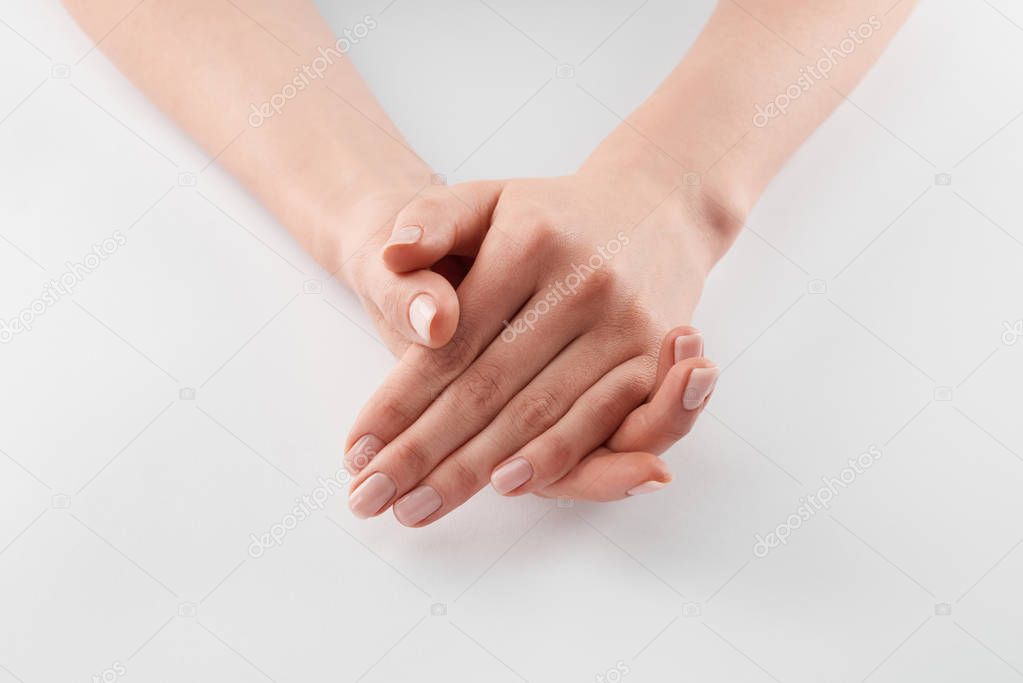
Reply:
x=628 y=463
x=419 y=307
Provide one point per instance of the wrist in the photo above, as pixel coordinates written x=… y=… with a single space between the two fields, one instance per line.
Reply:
x=712 y=206
x=353 y=216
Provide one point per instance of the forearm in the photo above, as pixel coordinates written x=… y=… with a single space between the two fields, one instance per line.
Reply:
x=718 y=116
x=212 y=65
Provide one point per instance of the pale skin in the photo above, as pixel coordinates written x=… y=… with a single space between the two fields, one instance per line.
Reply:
x=595 y=375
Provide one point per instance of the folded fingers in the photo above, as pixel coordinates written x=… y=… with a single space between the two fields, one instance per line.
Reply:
x=547 y=457
x=628 y=464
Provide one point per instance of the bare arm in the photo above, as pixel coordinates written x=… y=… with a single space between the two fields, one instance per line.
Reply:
x=264 y=86
x=762 y=76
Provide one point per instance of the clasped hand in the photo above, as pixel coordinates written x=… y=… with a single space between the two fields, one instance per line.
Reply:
x=558 y=366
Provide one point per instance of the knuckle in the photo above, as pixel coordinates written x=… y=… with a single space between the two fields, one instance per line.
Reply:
x=598 y=284
x=478 y=387
x=535 y=411
x=603 y=410
x=540 y=236
x=393 y=410
x=463 y=479
x=637 y=386
x=631 y=328
x=411 y=459
x=449 y=360
x=610 y=407
x=422 y=209
x=555 y=453
x=393 y=298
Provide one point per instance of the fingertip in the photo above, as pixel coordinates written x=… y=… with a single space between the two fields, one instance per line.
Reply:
x=433 y=317
x=699 y=384
x=653 y=484
x=679 y=344
x=422 y=307
x=605 y=476
x=422 y=311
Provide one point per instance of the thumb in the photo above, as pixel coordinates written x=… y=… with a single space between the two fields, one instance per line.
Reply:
x=412 y=283
x=451 y=221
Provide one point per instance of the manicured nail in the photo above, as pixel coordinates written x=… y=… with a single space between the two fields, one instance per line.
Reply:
x=646 y=487
x=701 y=383
x=688 y=346
x=417 y=506
x=511 y=475
x=362 y=451
x=371 y=495
x=420 y=314
x=410 y=234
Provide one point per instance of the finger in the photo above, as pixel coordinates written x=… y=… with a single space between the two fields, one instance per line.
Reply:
x=463 y=409
x=361 y=453
x=670 y=415
x=678 y=345
x=590 y=421
x=632 y=467
x=538 y=406
x=453 y=221
x=421 y=306
x=606 y=475
x=490 y=294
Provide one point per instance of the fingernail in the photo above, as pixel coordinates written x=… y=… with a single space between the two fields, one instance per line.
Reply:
x=688 y=346
x=410 y=234
x=420 y=314
x=362 y=451
x=646 y=487
x=417 y=506
x=511 y=475
x=701 y=383
x=371 y=495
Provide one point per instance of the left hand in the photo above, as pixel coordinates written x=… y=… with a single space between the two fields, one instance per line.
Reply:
x=590 y=270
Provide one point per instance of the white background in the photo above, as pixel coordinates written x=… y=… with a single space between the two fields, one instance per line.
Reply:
x=126 y=511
